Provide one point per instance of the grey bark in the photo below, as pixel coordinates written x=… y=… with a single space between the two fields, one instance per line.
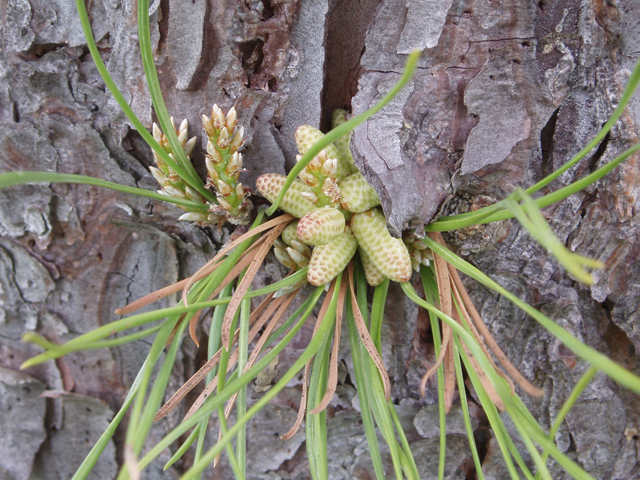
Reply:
x=504 y=94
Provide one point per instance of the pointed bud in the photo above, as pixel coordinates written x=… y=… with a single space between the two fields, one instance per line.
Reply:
x=184 y=126
x=418 y=245
x=329 y=186
x=208 y=126
x=213 y=153
x=213 y=218
x=182 y=137
x=307 y=178
x=223 y=202
x=174 y=192
x=223 y=138
x=416 y=256
x=235 y=164
x=157 y=133
x=415 y=265
x=194 y=217
x=158 y=175
x=322 y=156
x=315 y=164
x=217 y=117
x=309 y=196
x=211 y=168
x=189 y=146
x=328 y=167
x=408 y=237
x=297 y=257
x=284 y=258
x=193 y=195
x=239 y=190
x=232 y=119
x=223 y=188
x=212 y=178
x=173 y=124
x=278 y=243
x=238 y=138
x=303 y=248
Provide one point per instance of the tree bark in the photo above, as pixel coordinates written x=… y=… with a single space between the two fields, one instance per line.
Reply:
x=505 y=93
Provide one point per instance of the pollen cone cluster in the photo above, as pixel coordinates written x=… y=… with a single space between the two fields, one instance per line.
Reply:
x=171 y=184
x=224 y=165
x=338 y=212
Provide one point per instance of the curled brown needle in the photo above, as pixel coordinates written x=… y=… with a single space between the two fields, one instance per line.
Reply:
x=451 y=291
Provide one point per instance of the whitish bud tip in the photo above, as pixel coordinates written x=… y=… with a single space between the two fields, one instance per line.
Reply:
x=327 y=167
x=235 y=162
x=211 y=150
x=310 y=196
x=157 y=133
x=223 y=203
x=223 y=188
x=231 y=116
x=211 y=167
x=158 y=175
x=193 y=217
x=182 y=137
x=189 y=146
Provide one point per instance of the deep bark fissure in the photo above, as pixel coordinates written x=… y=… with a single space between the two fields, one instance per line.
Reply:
x=345 y=32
